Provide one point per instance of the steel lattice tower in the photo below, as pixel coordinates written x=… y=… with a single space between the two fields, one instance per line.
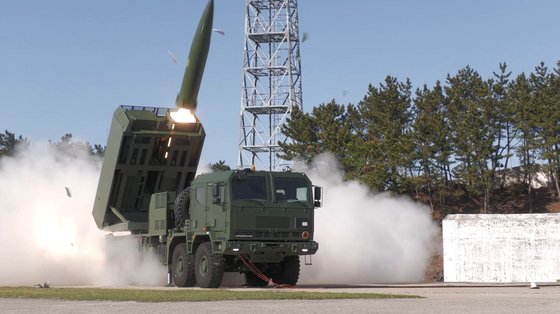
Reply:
x=271 y=80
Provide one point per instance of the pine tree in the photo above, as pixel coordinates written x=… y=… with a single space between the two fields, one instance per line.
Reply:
x=387 y=114
x=545 y=100
x=431 y=141
x=300 y=127
x=219 y=166
x=472 y=119
x=521 y=94
x=325 y=129
x=8 y=143
x=505 y=132
x=554 y=123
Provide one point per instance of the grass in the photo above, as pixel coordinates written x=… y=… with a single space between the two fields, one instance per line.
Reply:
x=182 y=295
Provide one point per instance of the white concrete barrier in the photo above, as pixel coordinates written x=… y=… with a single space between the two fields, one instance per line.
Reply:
x=501 y=248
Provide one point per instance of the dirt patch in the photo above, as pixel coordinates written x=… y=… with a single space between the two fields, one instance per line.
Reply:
x=434 y=273
x=553 y=207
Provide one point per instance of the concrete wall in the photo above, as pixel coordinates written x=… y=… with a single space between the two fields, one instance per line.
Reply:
x=501 y=248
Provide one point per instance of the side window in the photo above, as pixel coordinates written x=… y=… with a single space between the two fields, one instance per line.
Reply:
x=222 y=193
x=218 y=194
x=291 y=189
x=301 y=194
x=251 y=187
x=200 y=195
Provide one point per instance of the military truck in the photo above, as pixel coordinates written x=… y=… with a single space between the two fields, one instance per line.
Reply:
x=253 y=222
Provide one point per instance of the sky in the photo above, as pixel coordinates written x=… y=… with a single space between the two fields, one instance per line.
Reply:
x=66 y=65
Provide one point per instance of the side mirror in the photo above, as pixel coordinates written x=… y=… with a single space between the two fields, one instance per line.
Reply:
x=317 y=196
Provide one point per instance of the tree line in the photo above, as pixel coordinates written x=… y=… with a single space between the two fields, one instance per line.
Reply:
x=9 y=143
x=451 y=138
x=436 y=143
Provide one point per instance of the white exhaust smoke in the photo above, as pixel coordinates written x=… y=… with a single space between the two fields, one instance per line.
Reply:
x=47 y=232
x=365 y=237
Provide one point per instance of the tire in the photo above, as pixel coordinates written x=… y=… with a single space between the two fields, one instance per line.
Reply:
x=289 y=271
x=181 y=207
x=209 y=267
x=253 y=280
x=182 y=267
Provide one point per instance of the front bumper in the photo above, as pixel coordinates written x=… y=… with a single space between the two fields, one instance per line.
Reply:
x=269 y=251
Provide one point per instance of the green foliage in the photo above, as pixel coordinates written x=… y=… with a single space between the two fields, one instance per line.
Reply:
x=219 y=166
x=387 y=117
x=300 y=127
x=546 y=101
x=69 y=146
x=431 y=135
x=505 y=121
x=449 y=141
x=98 y=150
x=520 y=92
x=8 y=143
x=329 y=127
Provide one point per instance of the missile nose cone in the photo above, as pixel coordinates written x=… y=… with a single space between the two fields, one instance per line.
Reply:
x=197 y=60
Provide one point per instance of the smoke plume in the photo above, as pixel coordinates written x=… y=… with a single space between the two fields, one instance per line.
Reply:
x=365 y=237
x=47 y=232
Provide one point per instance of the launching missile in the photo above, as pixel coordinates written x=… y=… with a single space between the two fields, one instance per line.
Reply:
x=186 y=99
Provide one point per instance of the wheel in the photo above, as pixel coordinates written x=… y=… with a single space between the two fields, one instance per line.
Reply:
x=181 y=208
x=182 y=267
x=288 y=273
x=209 y=267
x=254 y=281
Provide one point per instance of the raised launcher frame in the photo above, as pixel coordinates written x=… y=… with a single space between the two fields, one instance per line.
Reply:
x=147 y=153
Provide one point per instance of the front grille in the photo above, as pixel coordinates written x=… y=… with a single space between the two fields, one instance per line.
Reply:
x=278 y=235
x=244 y=234
x=268 y=222
x=248 y=235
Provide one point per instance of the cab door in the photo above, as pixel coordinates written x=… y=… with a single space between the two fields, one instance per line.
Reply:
x=216 y=213
x=198 y=209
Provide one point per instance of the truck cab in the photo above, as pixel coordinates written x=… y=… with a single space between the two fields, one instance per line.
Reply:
x=242 y=206
x=254 y=220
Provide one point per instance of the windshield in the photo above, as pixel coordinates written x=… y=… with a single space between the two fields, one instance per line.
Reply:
x=249 y=188
x=291 y=189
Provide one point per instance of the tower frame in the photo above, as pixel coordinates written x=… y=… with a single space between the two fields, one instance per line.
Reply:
x=271 y=84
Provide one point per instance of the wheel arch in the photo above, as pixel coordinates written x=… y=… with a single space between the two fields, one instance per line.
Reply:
x=174 y=242
x=198 y=240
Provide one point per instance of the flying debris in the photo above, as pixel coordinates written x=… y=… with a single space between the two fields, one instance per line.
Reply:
x=68 y=192
x=172 y=56
x=43 y=285
x=534 y=286
x=219 y=31
x=305 y=37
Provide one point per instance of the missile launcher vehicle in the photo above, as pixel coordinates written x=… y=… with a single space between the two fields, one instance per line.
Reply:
x=257 y=223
